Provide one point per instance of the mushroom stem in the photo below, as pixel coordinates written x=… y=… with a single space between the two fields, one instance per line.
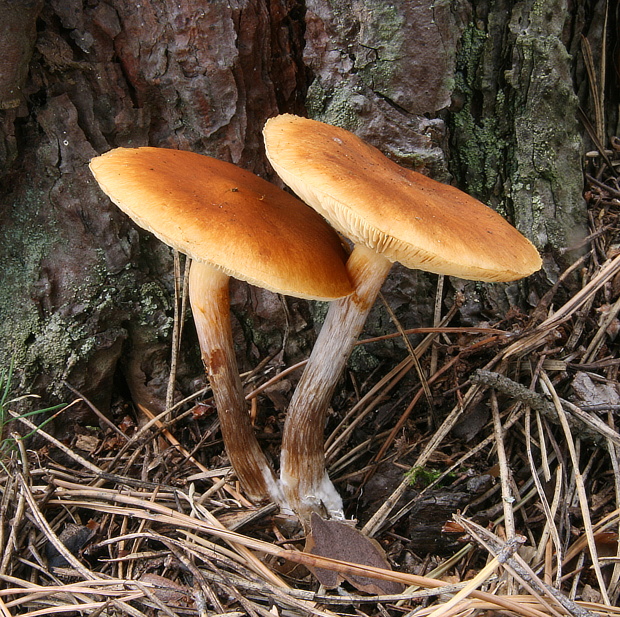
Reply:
x=209 y=298
x=306 y=485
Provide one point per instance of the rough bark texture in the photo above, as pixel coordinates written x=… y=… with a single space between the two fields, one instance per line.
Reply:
x=384 y=71
x=87 y=298
x=83 y=290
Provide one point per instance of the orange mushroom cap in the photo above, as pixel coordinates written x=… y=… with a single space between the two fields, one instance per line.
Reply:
x=218 y=213
x=399 y=213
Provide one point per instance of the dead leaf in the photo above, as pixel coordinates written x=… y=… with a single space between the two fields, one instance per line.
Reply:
x=589 y=594
x=87 y=443
x=168 y=591
x=74 y=537
x=590 y=393
x=452 y=527
x=126 y=424
x=340 y=540
x=278 y=394
x=202 y=410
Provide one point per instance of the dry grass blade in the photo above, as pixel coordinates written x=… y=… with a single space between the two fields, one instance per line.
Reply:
x=11 y=543
x=285 y=595
x=137 y=508
x=175 y=442
x=589 y=426
x=157 y=512
x=50 y=535
x=521 y=571
x=380 y=391
x=58 y=444
x=25 y=592
x=412 y=352
x=504 y=471
x=102 y=417
x=581 y=491
x=599 y=338
x=537 y=336
x=175 y=343
x=596 y=89
x=405 y=415
x=364 y=406
x=550 y=511
x=456 y=465
x=614 y=583
x=375 y=522
x=482 y=577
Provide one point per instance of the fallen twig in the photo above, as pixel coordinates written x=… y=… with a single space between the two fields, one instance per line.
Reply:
x=590 y=427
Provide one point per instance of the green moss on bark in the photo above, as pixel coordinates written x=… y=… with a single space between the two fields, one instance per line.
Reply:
x=516 y=143
x=482 y=139
x=335 y=106
x=47 y=338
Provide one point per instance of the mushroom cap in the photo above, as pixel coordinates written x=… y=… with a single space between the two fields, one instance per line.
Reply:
x=399 y=213
x=220 y=214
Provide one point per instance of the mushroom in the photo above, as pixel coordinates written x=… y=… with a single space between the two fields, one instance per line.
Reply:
x=230 y=223
x=390 y=214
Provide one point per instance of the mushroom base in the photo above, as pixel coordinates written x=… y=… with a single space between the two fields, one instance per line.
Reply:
x=304 y=498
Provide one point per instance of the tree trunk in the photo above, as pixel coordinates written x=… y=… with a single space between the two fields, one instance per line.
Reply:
x=485 y=93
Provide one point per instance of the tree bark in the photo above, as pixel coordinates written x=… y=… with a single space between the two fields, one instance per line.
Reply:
x=483 y=93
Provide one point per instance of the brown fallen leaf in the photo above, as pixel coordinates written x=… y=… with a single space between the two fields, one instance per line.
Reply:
x=168 y=591
x=340 y=540
x=588 y=392
x=74 y=537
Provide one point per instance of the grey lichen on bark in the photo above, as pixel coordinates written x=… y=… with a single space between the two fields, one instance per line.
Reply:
x=546 y=184
x=499 y=72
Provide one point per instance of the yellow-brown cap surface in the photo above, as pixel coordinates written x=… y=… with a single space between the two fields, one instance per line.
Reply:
x=402 y=214
x=218 y=213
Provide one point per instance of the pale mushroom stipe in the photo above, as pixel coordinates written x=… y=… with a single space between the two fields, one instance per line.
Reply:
x=229 y=222
x=390 y=214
